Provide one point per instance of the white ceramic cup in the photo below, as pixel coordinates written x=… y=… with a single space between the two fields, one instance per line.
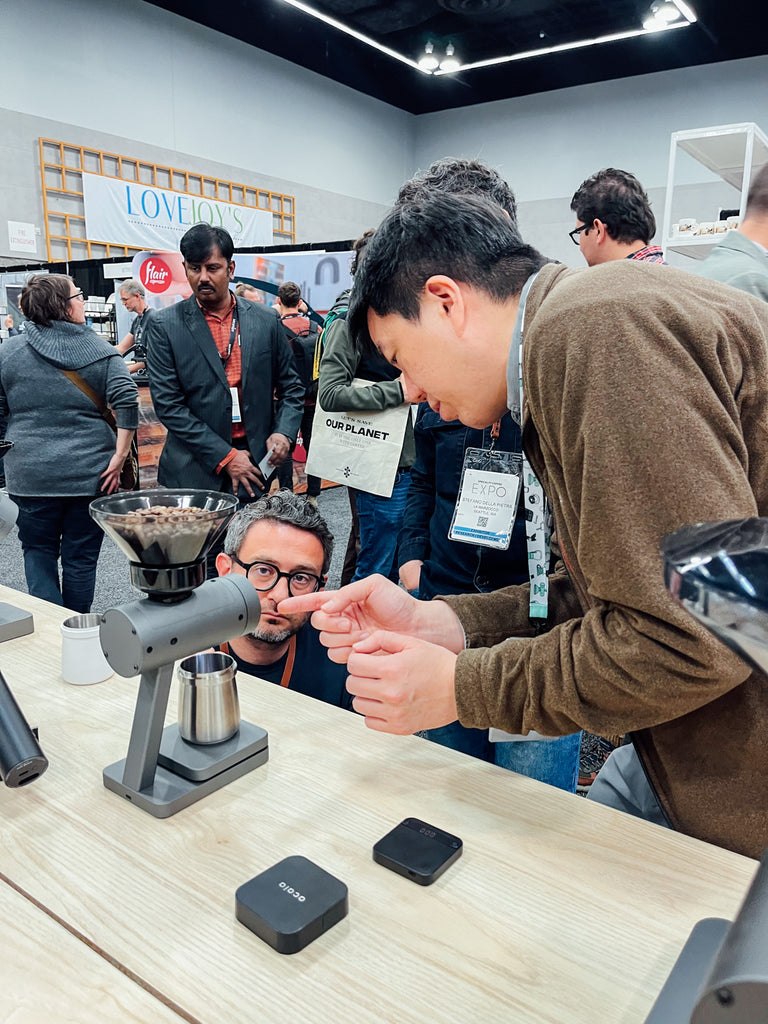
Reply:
x=82 y=659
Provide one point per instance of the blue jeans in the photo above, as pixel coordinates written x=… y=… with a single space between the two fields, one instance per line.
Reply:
x=380 y=523
x=554 y=761
x=53 y=528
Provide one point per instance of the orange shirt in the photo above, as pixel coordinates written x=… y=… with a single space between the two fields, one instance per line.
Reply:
x=221 y=329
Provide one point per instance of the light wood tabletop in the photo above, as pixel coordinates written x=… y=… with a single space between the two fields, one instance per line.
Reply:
x=48 y=974
x=558 y=911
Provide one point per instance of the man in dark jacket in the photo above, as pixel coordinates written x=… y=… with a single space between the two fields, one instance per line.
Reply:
x=215 y=362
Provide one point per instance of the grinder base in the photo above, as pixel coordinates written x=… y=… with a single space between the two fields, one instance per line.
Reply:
x=170 y=792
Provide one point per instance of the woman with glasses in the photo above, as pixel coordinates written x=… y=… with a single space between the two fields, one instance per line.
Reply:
x=56 y=381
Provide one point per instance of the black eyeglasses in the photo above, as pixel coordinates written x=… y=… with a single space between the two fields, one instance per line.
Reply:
x=78 y=295
x=574 y=235
x=265 y=576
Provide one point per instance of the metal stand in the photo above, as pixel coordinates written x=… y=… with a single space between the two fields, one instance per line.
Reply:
x=721 y=976
x=677 y=1000
x=162 y=773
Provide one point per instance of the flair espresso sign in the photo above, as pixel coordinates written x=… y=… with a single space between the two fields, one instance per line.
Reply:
x=130 y=213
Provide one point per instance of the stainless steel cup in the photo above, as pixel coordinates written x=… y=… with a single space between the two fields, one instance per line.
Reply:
x=209 y=711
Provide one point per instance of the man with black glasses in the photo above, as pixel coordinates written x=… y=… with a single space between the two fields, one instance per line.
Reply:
x=283 y=545
x=615 y=219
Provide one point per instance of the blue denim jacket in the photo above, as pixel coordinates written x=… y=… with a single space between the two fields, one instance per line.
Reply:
x=451 y=567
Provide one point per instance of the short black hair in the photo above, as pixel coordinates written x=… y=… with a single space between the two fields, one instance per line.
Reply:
x=617 y=199
x=465 y=237
x=757 y=197
x=461 y=176
x=199 y=242
x=289 y=294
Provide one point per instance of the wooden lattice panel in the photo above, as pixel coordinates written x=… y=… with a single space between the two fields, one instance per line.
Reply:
x=61 y=170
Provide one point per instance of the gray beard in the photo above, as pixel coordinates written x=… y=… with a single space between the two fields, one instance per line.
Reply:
x=271 y=638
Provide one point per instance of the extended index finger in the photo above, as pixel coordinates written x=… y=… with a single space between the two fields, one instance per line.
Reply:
x=303 y=603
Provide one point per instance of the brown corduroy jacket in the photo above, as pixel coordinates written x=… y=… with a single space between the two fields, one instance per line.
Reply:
x=646 y=394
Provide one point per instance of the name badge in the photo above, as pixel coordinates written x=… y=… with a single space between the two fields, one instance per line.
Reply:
x=486 y=505
x=236 y=417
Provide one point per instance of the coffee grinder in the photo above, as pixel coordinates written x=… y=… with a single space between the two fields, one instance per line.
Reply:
x=719 y=573
x=181 y=615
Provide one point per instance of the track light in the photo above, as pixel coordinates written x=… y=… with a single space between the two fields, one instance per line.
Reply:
x=450 y=62
x=665 y=13
x=428 y=61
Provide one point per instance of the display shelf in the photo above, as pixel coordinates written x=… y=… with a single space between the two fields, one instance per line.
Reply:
x=695 y=246
x=733 y=152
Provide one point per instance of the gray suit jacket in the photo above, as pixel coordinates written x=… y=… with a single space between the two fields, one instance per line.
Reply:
x=191 y=394
x=737 y=261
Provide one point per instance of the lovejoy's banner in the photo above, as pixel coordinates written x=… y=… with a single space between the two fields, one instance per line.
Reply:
x=129 y=213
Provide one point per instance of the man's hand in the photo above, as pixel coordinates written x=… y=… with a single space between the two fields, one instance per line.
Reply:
x=402 y=685
x=372 y=604
x=280 y=447
x=410 y=574
x=242 y=471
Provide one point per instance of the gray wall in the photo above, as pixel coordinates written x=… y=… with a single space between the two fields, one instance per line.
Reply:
x=545 y=145
x=126 y=76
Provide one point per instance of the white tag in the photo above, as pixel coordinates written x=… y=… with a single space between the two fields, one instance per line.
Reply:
x=499 y=736
x=486 y=508
x=264 y=467
x=236 y=417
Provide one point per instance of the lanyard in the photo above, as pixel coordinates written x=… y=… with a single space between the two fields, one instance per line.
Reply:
x=537 y=530
x=234 y=333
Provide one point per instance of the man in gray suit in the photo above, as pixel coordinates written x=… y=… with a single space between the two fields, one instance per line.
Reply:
x=223 y=380
x=741 y=259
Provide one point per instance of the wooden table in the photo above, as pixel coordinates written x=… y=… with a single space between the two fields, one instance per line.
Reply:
x=558 y=911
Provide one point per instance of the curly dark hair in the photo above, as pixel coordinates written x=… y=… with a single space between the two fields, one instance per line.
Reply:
x=458 y=177
x=617 y=199
x=281 y=507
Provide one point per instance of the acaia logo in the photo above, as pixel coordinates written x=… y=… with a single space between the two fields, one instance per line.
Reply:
x=155 y=274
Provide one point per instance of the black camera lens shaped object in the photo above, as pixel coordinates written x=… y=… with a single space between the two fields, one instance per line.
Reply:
x=417 y=850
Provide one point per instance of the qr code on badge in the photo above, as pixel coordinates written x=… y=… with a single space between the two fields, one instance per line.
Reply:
x=482 y=521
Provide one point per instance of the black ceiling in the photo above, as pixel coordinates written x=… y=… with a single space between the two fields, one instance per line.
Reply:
x=479 y=29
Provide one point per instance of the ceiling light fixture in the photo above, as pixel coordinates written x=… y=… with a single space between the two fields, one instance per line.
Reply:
x=428 y=61
x=562 y=47
x=352 y=32
x=687 y=17
x=665 y=13
x=450 y=63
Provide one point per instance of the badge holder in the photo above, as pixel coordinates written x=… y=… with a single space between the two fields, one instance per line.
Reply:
x=488 y=497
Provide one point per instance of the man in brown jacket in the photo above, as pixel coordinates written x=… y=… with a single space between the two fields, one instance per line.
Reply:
x=645 y=409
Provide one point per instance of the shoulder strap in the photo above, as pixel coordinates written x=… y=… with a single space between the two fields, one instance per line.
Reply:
x=88 y=391
x=288 y=670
